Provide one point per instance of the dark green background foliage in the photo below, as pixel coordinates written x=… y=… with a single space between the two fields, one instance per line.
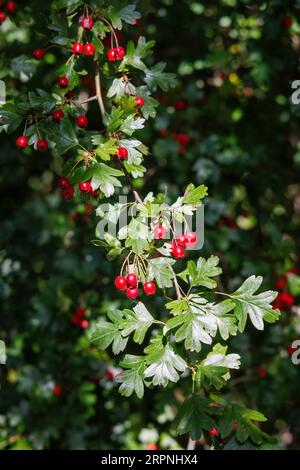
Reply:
x=235 y=63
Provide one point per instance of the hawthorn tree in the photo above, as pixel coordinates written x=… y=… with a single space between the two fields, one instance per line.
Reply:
x=186 y=339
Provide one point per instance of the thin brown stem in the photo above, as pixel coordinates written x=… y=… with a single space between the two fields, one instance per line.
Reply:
x=177 y=286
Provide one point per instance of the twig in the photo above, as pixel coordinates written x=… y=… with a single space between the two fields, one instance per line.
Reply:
x=177 y=286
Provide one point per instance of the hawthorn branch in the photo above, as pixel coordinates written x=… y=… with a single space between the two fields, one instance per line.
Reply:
x=137 y=197
x=87 y=100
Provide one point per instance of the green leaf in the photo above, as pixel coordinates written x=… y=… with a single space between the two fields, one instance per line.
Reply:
x=177 y=307
x=135 y=54
x=107 y=333
x=131 y=124
x=139 y=320
x=132 y=379
x=214 y=370
x=120 y=87
x=105 y=178
x=155 y=77
x=243 y=417
x=106 y=149
x=10 y=118
x=161 y=270
x=123 y=12
x=258 y=306
x=23 y=67
x=200 y=274
x=113 y=120
x=164 y=364
x=194 y=195
x=41 y=99
x=192 y=329
x=65 y=138
x=194 y=416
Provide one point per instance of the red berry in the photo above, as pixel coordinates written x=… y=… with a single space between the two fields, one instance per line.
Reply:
x=191 y=239
x=120 y=283
x=111 y=55
x=82 y=121
x=159 y=232
x=75 y=320
x=57 y=115
x=132 y=293
x=262 y=373
x=293 y=270
x=213 y=432
x=84 y=324
x=287 y=22
x=120 y=52
x=152 y=446
x=11 y=7
x=87 y=23
x=109 y=374
x=122 y=153
x=63 y=182
x=38 y=53
x=89 y=49
x=131 y=280
x=85 y=187
x=149 y=288
x=280 y=284
x=284 y=301
x=139 y=101
x=235 y=425
x=180 y=105
x=181 y=138
x=181 y=240
x=2 y=16
x=77 y=48
x=22 y=142
x=291 y=350
x=63 y=82
x=177 y=251
x=42 y=145
x=80 y=312
x=57 y=390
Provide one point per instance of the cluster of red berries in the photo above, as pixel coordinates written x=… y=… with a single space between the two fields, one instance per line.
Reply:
x=185 y=240
x=87 y=49
x=116 y=53
x=10 y=8
x=22 y=143
x=129 y=284
x=285 y=300
x=81 y=120
x=67 y=189
x=182 y=139
x=79 y=318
